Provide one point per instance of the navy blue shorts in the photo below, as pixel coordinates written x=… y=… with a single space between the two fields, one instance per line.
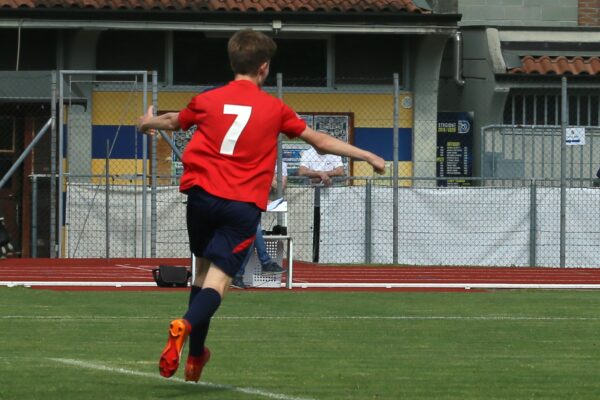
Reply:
x=221 y=230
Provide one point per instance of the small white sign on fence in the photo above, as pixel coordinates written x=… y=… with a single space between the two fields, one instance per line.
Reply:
x=575 y=136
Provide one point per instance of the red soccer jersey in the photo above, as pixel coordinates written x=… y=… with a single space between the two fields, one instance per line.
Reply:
x=233 y=151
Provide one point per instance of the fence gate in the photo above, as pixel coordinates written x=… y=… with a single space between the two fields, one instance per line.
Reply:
x=534 y=152
x=104 y=206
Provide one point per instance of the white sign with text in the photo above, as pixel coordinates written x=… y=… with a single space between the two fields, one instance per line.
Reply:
x=575 y=136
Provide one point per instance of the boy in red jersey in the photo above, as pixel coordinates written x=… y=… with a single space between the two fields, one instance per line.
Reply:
x=228 y=168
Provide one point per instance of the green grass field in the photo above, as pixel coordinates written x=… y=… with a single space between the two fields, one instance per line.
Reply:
x=306 y=345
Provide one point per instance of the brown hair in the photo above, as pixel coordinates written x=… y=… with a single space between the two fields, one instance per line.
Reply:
x=248 y=50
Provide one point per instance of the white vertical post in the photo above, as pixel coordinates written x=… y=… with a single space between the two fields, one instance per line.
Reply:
x=153 y=210
x=144 y=169
x=395 y=167
x=563 y=171
x=53 y=170
x=60 y=167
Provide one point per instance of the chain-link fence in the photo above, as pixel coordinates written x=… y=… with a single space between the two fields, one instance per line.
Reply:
x=504 y=225
x=534 y=202
x=534 y=152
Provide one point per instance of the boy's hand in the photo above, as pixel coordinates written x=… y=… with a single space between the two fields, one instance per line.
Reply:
x=378 y=164
x=144 y=119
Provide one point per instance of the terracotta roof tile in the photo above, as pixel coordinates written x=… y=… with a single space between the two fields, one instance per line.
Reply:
x=546 y=65
x=332 y=6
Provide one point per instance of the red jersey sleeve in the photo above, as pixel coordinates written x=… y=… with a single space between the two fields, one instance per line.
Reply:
x=191 y=114
x=291 y=124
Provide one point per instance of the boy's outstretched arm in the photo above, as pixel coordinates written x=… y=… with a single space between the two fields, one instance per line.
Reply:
x=148 y=123
x=330 y=145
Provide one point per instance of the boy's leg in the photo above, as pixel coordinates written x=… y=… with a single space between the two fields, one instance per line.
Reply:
x=180 y=329
x=197 y=319
x=202 y=308
x=203 y=265
x=216 y=280
x=198 y=336
x=204 y=305
x=222 y=231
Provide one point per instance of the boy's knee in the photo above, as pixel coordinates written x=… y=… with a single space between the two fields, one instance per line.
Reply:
x=217 y=280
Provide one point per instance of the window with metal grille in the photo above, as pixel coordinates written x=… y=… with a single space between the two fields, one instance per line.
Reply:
x=545 y=109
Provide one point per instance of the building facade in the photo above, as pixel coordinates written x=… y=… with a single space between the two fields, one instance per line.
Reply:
x=514 y=54
x=336 y=58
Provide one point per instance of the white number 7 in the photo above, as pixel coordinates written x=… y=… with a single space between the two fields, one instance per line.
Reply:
x=235 y=130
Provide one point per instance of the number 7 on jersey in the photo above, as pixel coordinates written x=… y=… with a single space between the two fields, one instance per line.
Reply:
x=235 y=130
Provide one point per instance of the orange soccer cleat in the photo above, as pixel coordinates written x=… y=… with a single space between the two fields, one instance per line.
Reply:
x=194 y=365
x=169 y=359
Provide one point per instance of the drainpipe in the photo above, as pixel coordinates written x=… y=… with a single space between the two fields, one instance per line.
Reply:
x=458 y=50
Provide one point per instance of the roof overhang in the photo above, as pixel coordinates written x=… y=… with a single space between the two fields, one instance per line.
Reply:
x=508 y=46
x=33 y=87
x=177 y=12
x=275 y=25
x=507 y=82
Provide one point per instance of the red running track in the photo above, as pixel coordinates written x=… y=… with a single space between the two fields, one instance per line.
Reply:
x=129 y=272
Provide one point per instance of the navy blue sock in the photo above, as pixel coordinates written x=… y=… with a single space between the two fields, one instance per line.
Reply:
x=202 y=308
x=193 y=293
x=197 y=339
x=198 y=336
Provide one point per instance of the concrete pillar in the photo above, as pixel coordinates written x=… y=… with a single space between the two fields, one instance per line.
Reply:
x=427 y=56
x=81 y=55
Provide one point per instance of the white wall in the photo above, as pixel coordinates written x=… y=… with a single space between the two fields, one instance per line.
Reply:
x=445 y=226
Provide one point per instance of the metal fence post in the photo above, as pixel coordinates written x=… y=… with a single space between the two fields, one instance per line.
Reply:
x=153 y=205
x=532 y=223
x=144 y=170
x=59 y=190
x=52 y=238
x=368 y=233
x=279 y=151
x=395 y=147
x=563 y=170
x=316 y=223
x=107 y=198
x=482 y=154
x=34 y=194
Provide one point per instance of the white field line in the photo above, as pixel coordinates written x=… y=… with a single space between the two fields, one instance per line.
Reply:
x=156 y=376
x=314 y=318
x=424 y=285
x=75 y=284
x=450 y=285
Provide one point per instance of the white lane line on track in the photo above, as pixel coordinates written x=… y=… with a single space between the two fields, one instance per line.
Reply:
x=123 y=371
x=316 y=318
x=78 y=284
x=421 y=285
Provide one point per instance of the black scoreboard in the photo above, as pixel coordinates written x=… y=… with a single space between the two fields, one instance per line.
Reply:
x=454 y=148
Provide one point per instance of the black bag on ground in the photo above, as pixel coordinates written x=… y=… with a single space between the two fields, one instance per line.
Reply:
x=170 y=276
